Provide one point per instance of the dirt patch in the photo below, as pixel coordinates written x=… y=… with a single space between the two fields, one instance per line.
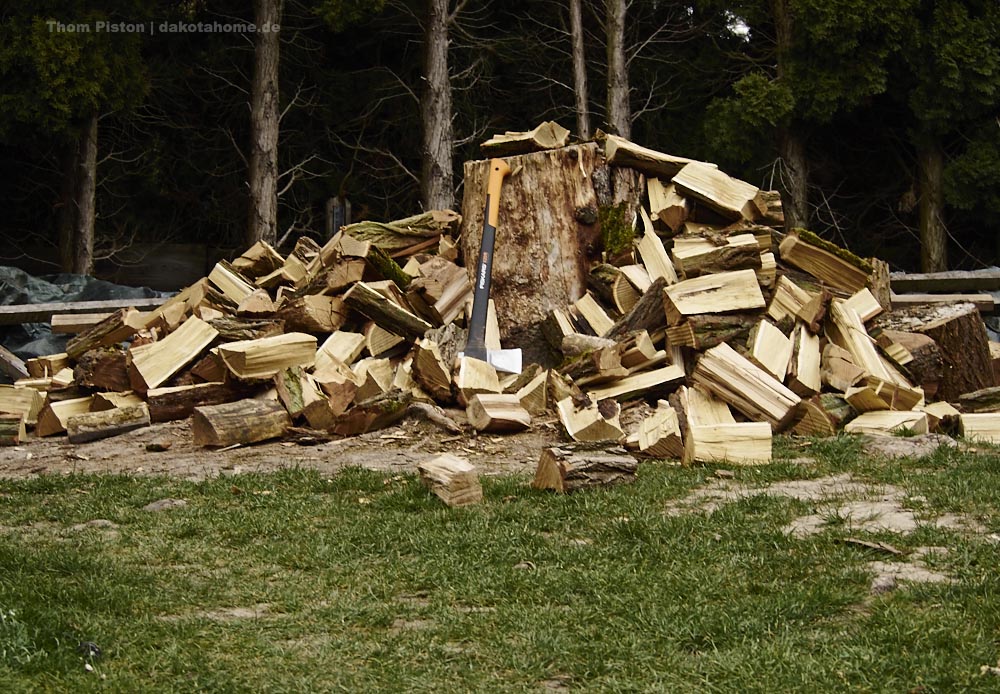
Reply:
x=226 y=614
x=395 y=449
x=894 y=447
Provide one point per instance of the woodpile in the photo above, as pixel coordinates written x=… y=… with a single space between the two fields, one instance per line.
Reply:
x=731 y=326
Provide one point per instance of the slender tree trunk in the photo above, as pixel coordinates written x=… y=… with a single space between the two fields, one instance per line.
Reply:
x=579 y=70
x=437 y=189
x=86 y=194
x=933 y=233
x=619 y=112
x=66 y=215
x=791 y=143
x=795 y=193
x=262 y=222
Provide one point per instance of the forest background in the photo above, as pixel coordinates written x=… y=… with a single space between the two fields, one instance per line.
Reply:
x=127 y=124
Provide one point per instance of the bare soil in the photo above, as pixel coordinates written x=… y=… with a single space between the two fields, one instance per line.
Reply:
x=395 y=449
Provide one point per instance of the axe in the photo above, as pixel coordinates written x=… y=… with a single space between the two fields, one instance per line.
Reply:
x=508 y=360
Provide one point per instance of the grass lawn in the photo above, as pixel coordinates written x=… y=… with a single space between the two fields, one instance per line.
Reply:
x=294 y=583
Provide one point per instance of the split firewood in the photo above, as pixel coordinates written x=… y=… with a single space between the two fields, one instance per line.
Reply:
x=313 y=314
x=546 y=135
x=152 y=364
x=647 y=315
x=474 y=377
x=497 y=413
x=577 y=344
x=805 y=377
x=230 y=282
x=660 y=434
x=559 y=388
x=117 y=327
x=592 y=315
x=441 y=291
x=864 y=304
x=374 y=377
x=380 y=342
x=637 y=276
x=12 y=430
x=111 y=400
x=104 y=368
x=742 y=443
x=263 y=358
x=594 y=421
x=241 y=422
x=694 y=257
x=236 y=329
x=567 y=469
x=376 y=413
x=667 y=204
x=769 y=208
x=655 y=259
x=533 y=394
x=826 y=261
x=601 y=280
x=340 y=384
x=623 y=153
x=845 y=329
x=838 y=370
x=726 y=195
x=452 y=479
x=702 y=331
x=888 y=422
x=92 y=426
x=736 y=290
x=981 y=401
x=746 y=387
x=53 y=416
x=403 y=233
x=639 y=348
x=300 y=395
x=767 y=275
x=431 y=371
x=19 y=400
x=770 y=349
x=598 y=366
x=823 y=415
x=981 y=427
x=994 y=349
x=435 y=415
x=258 y=260
x=641 y=383
x=342 y=346
x=42 y=367
x=814 y=311
x=942 y=417
x=960 y=335
x=390 y=315
x=788 y=299
x=178 y=402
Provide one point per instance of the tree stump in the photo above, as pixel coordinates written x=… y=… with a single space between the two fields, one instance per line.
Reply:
x=547 y=234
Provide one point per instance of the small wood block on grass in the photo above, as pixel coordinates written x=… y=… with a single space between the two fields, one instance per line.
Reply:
x=152 y=364
x=748 y=388
x=736 y=290
x=742 y=443
x=888 y=422
x=452 y=479
x=241 y=422
x=263 y=358
x=497 y=413
x=11 y=429
x=981 y=427
x=91 y=426
x=567 y=469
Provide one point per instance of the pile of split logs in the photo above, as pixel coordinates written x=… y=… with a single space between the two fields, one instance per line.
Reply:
x=732 y=327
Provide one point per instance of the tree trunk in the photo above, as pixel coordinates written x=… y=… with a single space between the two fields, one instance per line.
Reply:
x=437 y=191
x=579 y=71
x=619 y=113
x=66 y=216
x=795 y=195
x=262 y=221
x=86 y=192
x=933 y=233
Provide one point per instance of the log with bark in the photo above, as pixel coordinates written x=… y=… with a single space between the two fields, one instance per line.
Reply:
x=567 y=469
x=92 y=426
x=241 y=422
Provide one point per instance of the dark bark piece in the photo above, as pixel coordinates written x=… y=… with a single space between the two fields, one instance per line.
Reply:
x=648 y=314
x=104 y=369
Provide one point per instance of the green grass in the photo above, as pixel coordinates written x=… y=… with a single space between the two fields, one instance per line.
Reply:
x=367 y=583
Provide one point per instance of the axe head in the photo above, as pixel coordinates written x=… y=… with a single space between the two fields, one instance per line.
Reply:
x=506 y=360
